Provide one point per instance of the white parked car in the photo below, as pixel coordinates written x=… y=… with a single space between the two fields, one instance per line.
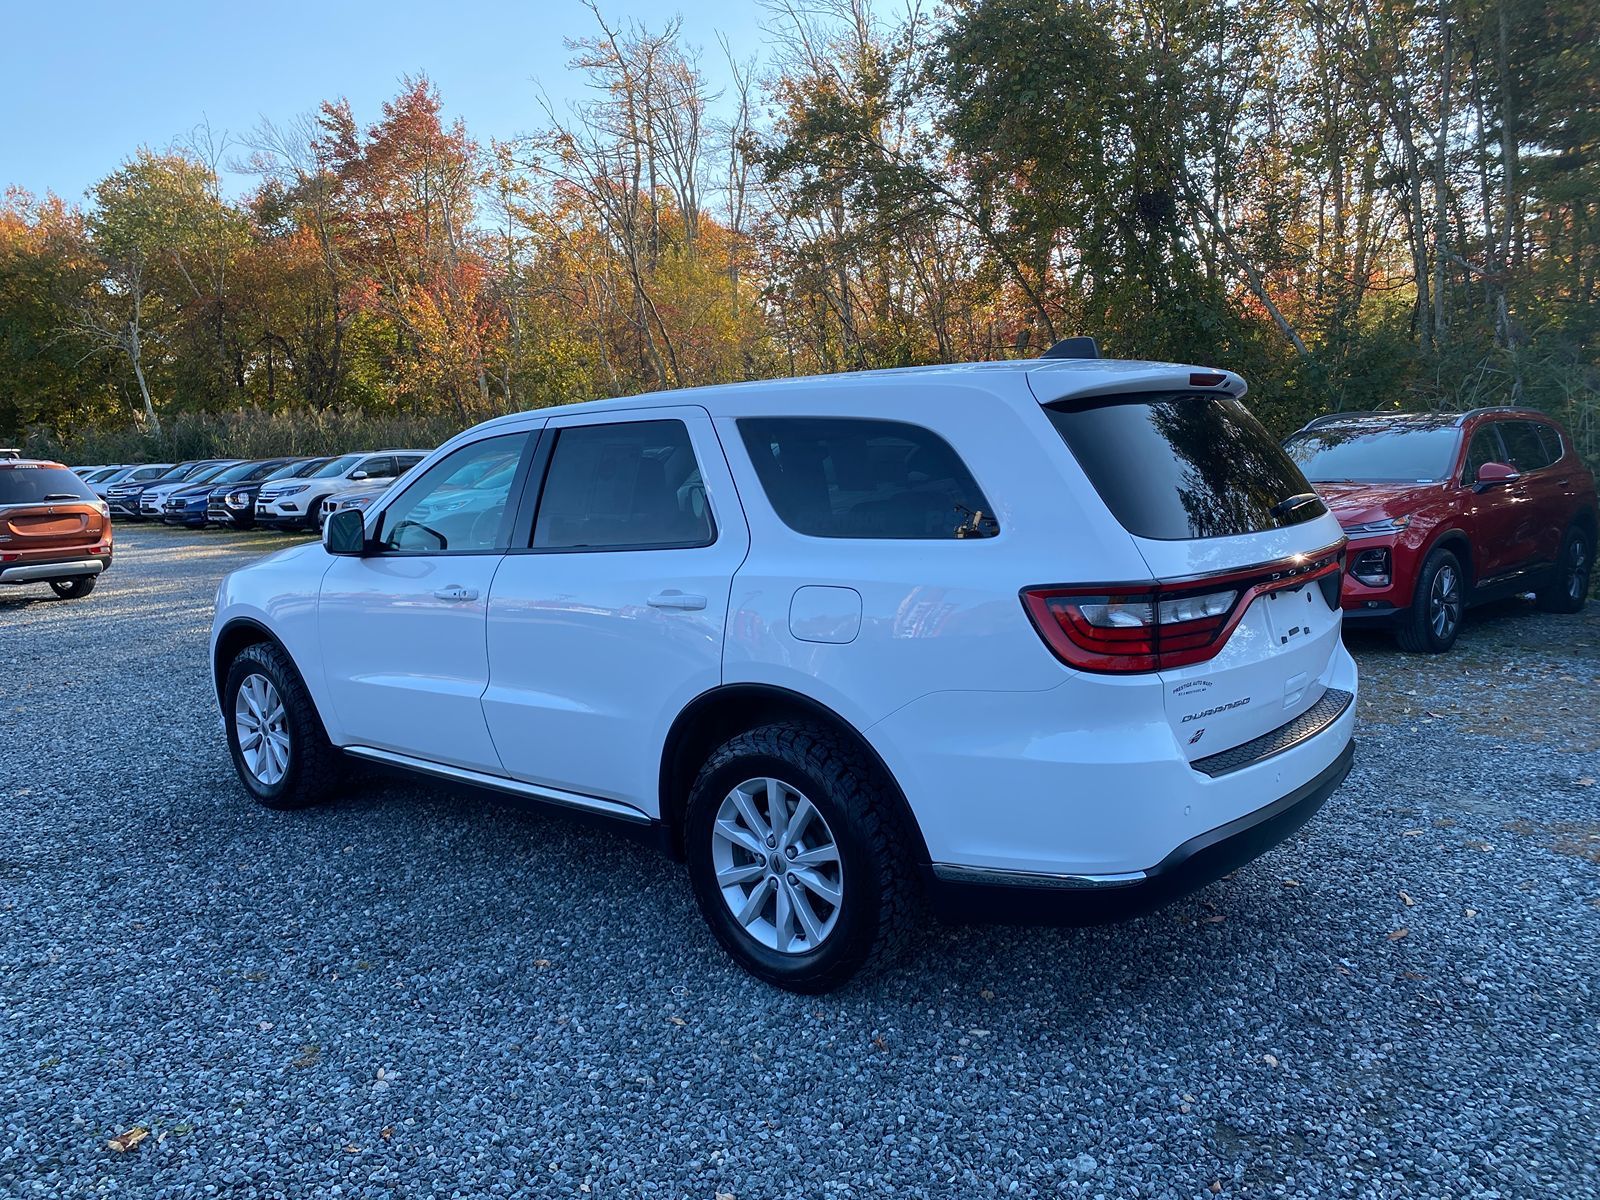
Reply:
x=1044 y=640
x=295 y=503
x=356 y=495
x=137 y=473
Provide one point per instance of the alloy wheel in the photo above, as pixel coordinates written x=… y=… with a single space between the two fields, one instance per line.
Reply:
x=1444 y=601
x=262 y=724
x=777 y=865
x=1578 y=569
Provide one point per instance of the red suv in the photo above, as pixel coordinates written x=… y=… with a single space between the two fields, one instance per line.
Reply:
x=1447 y=510
x=53 y=529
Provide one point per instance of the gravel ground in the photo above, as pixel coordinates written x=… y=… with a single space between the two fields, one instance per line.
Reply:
x=412 y=994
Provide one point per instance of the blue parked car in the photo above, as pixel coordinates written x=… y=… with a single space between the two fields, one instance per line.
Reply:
x=187 y=505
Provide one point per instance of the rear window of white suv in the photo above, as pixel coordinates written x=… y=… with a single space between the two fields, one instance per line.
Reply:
x=1174 y=466
x=854 y=477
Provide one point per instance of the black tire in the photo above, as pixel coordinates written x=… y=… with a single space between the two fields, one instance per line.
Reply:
x=1420 y=629
x=314 y=767
x=75 y=588
x=1568 y=585
x=878 y=890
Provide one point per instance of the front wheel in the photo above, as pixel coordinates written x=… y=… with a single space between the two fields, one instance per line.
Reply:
x=279 y=748
x=73 y=589
x=1568 y=587
x=795 y=857
x=1434 y=619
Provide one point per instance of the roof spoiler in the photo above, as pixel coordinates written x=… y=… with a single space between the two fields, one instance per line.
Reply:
x=1073 y=347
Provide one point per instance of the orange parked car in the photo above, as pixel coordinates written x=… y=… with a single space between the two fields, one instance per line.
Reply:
x=53 y=529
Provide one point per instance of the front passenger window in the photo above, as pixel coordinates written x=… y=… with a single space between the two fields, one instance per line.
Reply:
x=460 y=504
x=1484 y=448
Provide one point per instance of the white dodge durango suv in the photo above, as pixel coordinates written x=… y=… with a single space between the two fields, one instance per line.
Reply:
x=1054 y=640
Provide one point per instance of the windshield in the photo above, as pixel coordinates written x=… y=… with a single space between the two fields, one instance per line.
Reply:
x=207 y=474
x=1376 y=452
x=181 y=471
x=238 y=471
x=289 y=470
x=1180 y=465
x=337 y=466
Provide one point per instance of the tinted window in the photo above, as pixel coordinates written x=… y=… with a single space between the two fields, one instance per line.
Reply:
x=404 y=462
x=630 y=484
x=454 y=506
x=1180 y=465
x=844 y=477
x=1551 y=437
x=144 y=474
x=1375 y=451
x=1484 y=448
x=1524 y=448
x=242 y=471
x=41 y=485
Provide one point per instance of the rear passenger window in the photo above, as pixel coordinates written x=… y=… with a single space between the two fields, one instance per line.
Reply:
x=848 y=477
x=1523 y=446
x=628 y=485
x=1551 y=437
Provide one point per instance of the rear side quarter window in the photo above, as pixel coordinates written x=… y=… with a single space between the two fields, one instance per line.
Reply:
x=855 y=477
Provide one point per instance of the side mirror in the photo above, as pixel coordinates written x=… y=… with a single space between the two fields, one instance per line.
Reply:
x=1492 y=473
x=345 y=532
x=358 y=474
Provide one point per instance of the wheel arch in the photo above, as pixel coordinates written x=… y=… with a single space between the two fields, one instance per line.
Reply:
x=714 y=716
x=234 y=637
x=1457 y=542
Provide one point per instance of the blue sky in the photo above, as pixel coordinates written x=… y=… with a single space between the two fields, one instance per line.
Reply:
x=87 y=81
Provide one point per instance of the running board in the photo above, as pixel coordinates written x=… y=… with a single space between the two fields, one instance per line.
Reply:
x=498 y=783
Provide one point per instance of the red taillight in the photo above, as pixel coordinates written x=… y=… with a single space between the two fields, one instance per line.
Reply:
x=1148 y=628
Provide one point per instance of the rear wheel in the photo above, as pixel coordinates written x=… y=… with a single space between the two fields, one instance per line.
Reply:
x=1431 y=624
x=75 y=588
x=795 y=857
x=279 y=748
x=1568 y=587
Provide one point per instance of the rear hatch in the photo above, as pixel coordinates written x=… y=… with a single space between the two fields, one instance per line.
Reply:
x=48 y=512
x=1243 y=553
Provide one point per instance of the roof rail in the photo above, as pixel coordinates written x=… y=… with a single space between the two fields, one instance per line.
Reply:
x=1498 y=408
x=1332 y=418
x=10 y=452
x=1073 y=347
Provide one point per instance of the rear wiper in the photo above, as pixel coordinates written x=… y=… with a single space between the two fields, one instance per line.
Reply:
x=1287 y=505
x=62 y=496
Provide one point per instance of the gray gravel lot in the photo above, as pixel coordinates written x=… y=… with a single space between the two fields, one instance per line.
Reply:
x=413 y=993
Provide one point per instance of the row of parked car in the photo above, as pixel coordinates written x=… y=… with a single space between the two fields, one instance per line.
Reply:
x=277 y=493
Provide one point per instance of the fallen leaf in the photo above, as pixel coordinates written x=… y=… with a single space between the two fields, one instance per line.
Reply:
x=986 y=994
x=1406 y=900
x=677 y=1020
x=1270 y=1059
x=1412 y=832
x=309 y=1055
x=1586 y=781
x=124 y=1142
x=352 y=1148
x=541 y=963
x=1413 y=976
x=1472 y=912
x=386 y=1132
x=1398 y=934
x=1291 y=883
x=880 y=1043
x=1216 y=1187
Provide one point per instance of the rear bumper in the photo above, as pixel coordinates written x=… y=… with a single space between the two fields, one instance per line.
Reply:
x=70 y=568
x=985 y=894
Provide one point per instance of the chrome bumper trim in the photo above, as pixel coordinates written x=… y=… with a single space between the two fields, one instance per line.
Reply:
x=55 y=570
